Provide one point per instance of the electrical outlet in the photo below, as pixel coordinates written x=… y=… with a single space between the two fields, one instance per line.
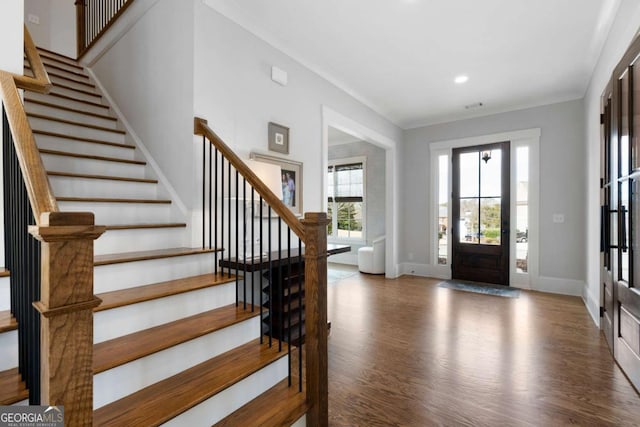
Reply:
x=34 y=19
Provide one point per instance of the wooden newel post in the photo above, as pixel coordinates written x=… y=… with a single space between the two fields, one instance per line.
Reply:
x=66 y=307
x=315 y=282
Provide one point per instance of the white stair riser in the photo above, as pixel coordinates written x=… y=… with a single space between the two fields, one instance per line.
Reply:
x=82 y=147
x=90 y=166
x=232 y=398
x=116 y=241
x=69 y=115
x=80 y=187
x=64 y=72
x=121 y=213
x=8 y=350
x=74 y=130
x=115 y=277
x=77 y=94
x=5 y=294
x=67 y=103
x=109 y=324
x=50 y=63
x=76 y=83
x=123 y=380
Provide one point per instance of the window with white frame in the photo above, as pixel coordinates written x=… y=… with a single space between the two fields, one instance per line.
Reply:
x=346 y=190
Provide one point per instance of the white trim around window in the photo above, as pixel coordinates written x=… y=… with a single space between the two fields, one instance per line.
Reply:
x=334 y=219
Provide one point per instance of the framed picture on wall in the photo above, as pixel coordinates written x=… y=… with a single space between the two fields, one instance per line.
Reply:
x=291 y=173
x=278 y=138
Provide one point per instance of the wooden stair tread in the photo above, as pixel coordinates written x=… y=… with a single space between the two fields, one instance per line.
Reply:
x=86 y=156
x=81 y=139
x=121 y=350
x=112 y=200
x=168 y=398
x=104 y=177
x=7 y=321
x=27 y=66
x=82 y=101
x=42 y=49
x=60 y=58
x=48 y=64
x=138 y=294
x=108 y=259
x=4 y=272
x=71 y=122
x=82 y=91
x=12 y=388
x=73 y=110
x=281 y=405
x=146 y=226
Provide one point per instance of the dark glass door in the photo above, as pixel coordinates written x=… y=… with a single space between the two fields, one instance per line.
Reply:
x=481 y=213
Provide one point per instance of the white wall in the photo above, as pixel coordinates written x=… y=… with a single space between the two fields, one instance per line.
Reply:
x=11 y=49
x=562 y=188
x=625 y=26
x=57 y=28
x=234 y=91
x=149 y=74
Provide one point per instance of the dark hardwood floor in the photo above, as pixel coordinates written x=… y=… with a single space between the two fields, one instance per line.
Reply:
x=407 y=353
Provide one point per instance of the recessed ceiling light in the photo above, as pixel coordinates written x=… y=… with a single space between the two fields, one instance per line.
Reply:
x=461 y=79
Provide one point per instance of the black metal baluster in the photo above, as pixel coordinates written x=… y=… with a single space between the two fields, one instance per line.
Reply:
x=289 y=302
x=23 y=260
x=299 y=343
x=229 y=228
x=244 y=240
x=204 y=187
x=215 y=229
x=253 y=255
x=222 y=210
x=280 y=284
x=270 y=279
x=260 y=279
x=210 y=182
x=237 y=237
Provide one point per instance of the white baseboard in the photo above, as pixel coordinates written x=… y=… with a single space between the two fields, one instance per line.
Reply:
x=426 y=270
x=592 y=303
x=556 y=285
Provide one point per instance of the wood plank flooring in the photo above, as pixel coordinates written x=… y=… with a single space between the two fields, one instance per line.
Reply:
x=407 y=353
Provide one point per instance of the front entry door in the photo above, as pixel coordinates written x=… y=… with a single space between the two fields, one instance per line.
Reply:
x=481 y=213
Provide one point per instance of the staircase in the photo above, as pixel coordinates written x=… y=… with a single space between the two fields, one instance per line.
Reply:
x=171 y=344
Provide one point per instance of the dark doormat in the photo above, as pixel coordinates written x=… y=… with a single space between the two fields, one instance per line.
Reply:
x=481 y=288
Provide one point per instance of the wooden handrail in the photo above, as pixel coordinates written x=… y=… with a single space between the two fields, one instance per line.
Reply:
x=40 y=83
x=202 y=128
x=35 y=176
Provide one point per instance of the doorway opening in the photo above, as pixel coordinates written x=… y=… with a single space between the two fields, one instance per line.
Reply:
x=522 y=230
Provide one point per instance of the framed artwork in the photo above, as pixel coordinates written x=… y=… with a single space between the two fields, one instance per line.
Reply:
x=291 y=172
x=278 y=138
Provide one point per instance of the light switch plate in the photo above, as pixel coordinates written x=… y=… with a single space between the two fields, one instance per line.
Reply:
x=34 y=19
x=558 y=218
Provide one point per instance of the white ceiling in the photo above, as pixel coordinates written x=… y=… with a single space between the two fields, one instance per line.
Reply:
x=400 y=57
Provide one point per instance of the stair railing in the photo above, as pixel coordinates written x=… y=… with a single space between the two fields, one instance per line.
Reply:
x=295 y=277
x=54 y=274
x=94 y=18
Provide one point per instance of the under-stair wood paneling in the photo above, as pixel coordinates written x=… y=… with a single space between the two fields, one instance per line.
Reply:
x=162 y=401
